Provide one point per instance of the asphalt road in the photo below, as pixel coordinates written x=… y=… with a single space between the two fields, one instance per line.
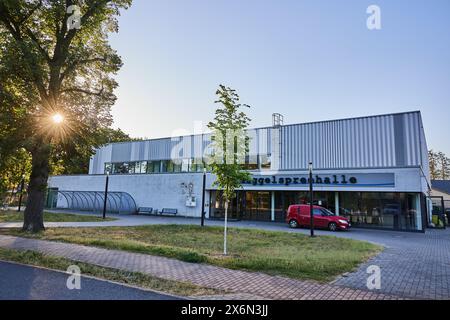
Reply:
x=18 y=282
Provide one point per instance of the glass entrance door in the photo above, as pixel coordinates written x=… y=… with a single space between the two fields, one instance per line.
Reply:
x=235 y=207
x=247 y=205
x=257 y=205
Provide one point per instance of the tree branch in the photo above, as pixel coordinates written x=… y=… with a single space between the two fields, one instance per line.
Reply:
x=44 y=52
x=64 y=40
x=72 y=67
x=14 y=28
x=99 y=94
x=29 y=14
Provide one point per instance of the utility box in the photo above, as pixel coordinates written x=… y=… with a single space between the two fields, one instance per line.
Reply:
x=191 y=202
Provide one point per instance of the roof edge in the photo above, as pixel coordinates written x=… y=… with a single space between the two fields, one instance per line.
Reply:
x=286 y=125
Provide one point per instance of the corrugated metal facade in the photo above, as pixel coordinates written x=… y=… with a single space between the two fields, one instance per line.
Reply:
x=386 y=141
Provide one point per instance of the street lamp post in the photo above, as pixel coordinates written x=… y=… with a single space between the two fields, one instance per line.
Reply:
x=22 y=185
x=203 y=198
x=311 y=199
x=106 y=194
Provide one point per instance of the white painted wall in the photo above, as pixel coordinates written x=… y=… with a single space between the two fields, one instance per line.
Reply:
x=148 y=190
x=437 y=193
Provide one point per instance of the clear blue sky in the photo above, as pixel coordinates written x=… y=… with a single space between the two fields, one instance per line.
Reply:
x=308 y=60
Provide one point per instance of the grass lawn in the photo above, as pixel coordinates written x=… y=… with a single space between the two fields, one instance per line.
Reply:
x=278 y=253
x=14 y=216
x=132 y=278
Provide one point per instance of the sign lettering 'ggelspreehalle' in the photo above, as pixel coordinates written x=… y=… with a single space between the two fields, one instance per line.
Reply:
x=289 y=180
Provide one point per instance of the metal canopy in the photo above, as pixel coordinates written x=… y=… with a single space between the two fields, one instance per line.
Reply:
x=117 y=202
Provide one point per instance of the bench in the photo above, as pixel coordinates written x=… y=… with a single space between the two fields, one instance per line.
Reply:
x=143 y=210
x=168 y=211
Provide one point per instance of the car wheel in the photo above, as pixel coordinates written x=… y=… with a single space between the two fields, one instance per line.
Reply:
x=332 y=226
x=293 y=224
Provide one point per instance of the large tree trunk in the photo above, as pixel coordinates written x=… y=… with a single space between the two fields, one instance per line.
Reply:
x=33 y=216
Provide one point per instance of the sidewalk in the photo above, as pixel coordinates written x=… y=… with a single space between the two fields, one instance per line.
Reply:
x=238 y=283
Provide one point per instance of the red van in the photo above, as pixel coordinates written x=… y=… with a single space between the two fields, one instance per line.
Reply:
x=298 y=215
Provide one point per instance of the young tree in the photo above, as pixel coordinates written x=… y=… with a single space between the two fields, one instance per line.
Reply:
x=56 y=70
x=229 y=147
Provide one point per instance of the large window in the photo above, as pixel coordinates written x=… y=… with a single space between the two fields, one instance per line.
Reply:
x=164 y=165
x=260 y=203
x=108 y=168
x=143 y=167
x=185 y=165
x=251 y=163
x=399 y=211
x=181 y=165
x=149 y=167
x=123 y=167
x=247 y=205
x=197 y=165
x=170 y=166
x=176 y=166
x=138 y=167
x=283 y=199
x=387 y=210
x=156 y=166
x=235 y=207
x=265 y=161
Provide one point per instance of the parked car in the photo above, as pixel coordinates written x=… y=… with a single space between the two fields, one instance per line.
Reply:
x=298 y=215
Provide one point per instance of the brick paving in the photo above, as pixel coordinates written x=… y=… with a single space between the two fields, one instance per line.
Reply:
x=412 y=265
x=238 y=283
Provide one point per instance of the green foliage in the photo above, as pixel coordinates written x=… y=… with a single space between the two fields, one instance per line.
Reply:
x=45 y=68
x=439 y=165
x=230 y=142
x=13 y=166
x=74 y=158
x=49 y=66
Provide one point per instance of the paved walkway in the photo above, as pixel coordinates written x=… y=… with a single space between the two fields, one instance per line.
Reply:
x=234 y=281
x=412 y=265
